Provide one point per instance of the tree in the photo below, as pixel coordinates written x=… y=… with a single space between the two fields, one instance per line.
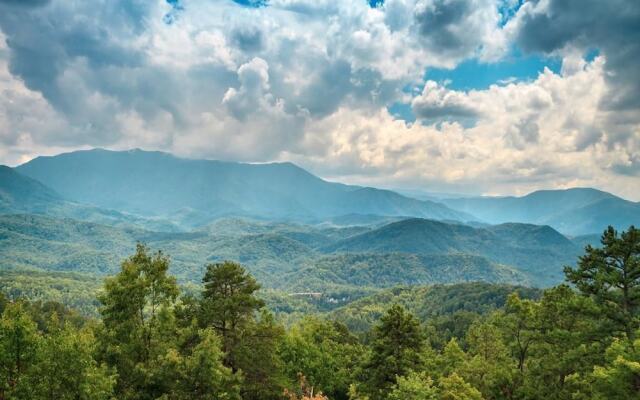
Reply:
x=228 y=301
x=326 y=353
x=195 y=366
x=66 y=369
x=619 y=378
x=490 y=368
x=229 y=305
x=518 y=323
x=611 y=275
x=453 y=387
x=565 y=344
x=138 y=322
x=19 y=342
x=397 y=343
x=415 y=386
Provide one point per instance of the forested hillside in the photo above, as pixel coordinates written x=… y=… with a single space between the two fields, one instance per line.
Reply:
x=534 y=250
x=152 y=339
x=299 y=257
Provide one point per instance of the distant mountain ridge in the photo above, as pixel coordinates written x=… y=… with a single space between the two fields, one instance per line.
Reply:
x=20 y=194
x=576 y=211
x=159 y=184
x=539 y=251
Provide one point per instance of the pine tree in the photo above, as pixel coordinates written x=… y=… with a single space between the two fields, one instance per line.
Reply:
x=397 y=343
x=611 y=275
x=229 y=305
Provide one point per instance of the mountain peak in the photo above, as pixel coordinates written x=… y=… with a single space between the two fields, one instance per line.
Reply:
x=159 y=184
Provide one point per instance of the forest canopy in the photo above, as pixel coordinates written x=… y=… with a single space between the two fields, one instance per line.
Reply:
x=151 y=339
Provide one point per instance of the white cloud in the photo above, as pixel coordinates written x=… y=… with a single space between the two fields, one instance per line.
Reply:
x=310 y=81
x=545 y=133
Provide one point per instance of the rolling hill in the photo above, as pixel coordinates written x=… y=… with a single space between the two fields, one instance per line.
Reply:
x=195 y=192
x=392 y=269
x=538 y=251
x=289 y=257
x=428 y=302
x=577 y=211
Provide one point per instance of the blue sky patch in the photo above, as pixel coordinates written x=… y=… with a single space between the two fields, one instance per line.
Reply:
x=252 y=3
x=472 y=74
x=591 y=55
x=171 y=17
x=507 y=10
x=475 y=75
x=402 y=111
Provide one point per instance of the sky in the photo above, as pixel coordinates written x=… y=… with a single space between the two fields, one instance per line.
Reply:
x=489 y=97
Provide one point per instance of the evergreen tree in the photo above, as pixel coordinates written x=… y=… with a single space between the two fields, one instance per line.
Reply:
x=414 y=386
x=228 y=302
x=611 y=275
x=490 y=368
x=619 y=377
x=454 y=387
x=395 y=351
x=196 y=370
x=229 y=305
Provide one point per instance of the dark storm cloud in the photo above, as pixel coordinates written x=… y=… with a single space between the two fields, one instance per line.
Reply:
x=611 y=26
x=435 y=22
x=454 y=27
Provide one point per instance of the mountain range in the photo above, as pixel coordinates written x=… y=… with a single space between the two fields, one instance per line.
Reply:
x=576 y=211
x=83 y=212
x=194 y=192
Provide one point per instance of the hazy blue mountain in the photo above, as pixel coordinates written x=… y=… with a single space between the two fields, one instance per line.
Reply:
x=575 y=211
x=538 y=251
x=198 y=191
x=19 y=193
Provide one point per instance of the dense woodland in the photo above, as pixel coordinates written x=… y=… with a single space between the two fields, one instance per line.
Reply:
x=150 y=340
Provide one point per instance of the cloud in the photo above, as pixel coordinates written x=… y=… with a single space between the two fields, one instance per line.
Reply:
x=458 y=28
x=311 y=80
x=253 y=92
x=438 y=102
x=546 y=133
x=612 y=27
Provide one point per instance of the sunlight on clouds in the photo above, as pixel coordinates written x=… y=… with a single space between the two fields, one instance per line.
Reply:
x=310 y=81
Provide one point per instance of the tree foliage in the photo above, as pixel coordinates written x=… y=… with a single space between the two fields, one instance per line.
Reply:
x=463 y=342
x=611 y=275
